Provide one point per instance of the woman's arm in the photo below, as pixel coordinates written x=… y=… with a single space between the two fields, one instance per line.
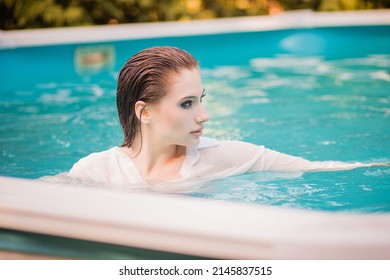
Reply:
x=276 y=161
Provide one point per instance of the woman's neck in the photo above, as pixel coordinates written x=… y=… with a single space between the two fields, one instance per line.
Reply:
x=155 y=161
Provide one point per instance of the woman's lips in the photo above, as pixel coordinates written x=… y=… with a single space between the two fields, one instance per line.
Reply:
x=197 y=132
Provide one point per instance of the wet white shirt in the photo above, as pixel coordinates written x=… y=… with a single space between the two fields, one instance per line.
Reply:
x=209 y=160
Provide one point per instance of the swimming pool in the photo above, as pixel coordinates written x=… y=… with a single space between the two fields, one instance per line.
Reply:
x=306 y=92
x=303 y=89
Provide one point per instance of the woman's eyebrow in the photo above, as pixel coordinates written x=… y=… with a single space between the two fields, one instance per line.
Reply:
x=189 y=97
x=194 y=96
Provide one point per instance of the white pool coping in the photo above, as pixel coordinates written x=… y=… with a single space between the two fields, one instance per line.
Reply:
x=187 y=225
x=194 y=226
x=290 y=20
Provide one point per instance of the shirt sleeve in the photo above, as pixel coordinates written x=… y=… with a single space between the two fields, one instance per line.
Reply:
x=258 y=158
x=271 y=160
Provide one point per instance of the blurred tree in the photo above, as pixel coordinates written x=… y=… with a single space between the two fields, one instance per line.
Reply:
x=21 y=14
x=16 y=14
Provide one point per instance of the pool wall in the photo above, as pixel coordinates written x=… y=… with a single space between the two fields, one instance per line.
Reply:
x=190 y=226
x=176 y=224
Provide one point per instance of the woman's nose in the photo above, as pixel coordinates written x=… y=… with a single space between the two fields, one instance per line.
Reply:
x=203 y=116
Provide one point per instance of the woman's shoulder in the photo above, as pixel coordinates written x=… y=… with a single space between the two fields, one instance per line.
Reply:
x=95 y=161
x=206 y=142
x=101 y=154
x=232 y=145
x=228 y=157
x=229 y=149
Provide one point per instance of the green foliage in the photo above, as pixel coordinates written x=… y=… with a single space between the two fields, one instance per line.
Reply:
x=43 y=13
x=21 y=14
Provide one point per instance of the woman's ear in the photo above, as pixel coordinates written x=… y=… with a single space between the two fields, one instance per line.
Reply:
x=142 y=111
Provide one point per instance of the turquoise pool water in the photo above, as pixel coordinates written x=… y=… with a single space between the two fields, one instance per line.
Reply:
x=323 y=94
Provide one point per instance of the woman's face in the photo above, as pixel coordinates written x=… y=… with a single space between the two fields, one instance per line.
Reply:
x=179 y=116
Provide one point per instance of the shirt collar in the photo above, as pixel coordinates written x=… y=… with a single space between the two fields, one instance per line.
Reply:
x=192 y=153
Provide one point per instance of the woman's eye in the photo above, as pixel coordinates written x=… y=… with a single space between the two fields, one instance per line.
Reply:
x=186 y=104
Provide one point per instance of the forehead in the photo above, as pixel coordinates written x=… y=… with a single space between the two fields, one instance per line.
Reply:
x=185 y=82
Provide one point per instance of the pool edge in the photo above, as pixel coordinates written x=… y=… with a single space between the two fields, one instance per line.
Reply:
x=191 y=226
x=292 y=19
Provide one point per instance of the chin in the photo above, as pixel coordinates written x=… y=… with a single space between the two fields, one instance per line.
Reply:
x=187 y=142
x=193 y=142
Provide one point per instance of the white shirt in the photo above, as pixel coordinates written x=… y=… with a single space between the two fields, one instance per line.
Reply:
x=209 y=160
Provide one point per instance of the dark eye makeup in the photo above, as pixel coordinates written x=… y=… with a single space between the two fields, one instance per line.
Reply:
x=188 y=103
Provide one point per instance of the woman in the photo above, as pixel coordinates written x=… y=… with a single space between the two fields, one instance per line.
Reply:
x=159 y=101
